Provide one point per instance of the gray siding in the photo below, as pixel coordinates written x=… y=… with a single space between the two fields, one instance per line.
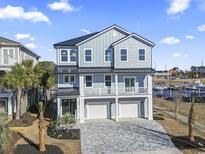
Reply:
x=133 y=45
x=98 y=45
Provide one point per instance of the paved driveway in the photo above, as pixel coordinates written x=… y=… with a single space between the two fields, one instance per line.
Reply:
x=127 y=136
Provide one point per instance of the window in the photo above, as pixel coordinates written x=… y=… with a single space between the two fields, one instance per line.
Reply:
x=141 y=54
x=64 y=55
x=108 y=80
x=88 y=81
x=88 y=55
x=72 y=55
x=9 y=56
x=72 y=79
x=123 y=53
x=6 y=57
x=69 y=106
x=66 y=78
x=108 y=55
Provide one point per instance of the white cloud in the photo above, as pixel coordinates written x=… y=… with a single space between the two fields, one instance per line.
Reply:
x=201 y=28
x=178 y=6
x=85 y=31
x=12 y=12
x=189 y=37
x=31 y=45
x=179 y=55
x=20 y=36
x=62 y=5
x=170 y=40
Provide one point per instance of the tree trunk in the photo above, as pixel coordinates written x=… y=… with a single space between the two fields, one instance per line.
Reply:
x=18 y=103
x=48 y=95
x=192 y=122
x=42 y=147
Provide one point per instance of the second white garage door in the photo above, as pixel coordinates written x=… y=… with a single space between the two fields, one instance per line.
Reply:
x=128 y=110
x=98 y=111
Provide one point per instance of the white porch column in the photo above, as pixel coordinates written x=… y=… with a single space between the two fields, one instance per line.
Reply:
x=149 y=99
x=150 y=108
x=58 y=107
x=9 y=106
x=116 y=84
x=116 y=109
x=78 y=108
x=81 y=84
x=82 y=110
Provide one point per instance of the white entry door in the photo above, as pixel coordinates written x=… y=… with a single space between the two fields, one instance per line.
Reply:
x=127 y=110
x=97 y=111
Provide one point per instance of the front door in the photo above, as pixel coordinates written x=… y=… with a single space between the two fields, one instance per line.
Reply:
x=69 y=106
x=129 y=84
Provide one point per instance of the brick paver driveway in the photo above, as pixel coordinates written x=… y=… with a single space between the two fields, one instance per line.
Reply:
x=126 y=136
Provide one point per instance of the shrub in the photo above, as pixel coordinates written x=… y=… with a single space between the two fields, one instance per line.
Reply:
x=4 y=133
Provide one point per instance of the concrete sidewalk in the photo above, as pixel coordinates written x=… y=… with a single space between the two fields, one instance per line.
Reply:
x=181 y=118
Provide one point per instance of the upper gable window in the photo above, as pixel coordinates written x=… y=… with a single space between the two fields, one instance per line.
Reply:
x=73 y=55
x=123 y=55
x=141 y=54
x=88 y=55
x=108 y=55
x=64 y=55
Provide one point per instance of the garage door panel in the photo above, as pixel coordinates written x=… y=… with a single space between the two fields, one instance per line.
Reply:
x=98 y=111
x=128 y=110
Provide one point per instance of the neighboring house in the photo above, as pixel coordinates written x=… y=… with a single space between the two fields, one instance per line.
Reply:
x=161 y=75
x=12 y=52
x=199 y=71
x=107 y=74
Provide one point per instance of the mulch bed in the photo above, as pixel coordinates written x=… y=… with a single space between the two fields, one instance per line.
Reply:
x=64 y=134
x=25 y=120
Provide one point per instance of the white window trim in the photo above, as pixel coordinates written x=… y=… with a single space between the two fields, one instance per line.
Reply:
x=91 y=55
x=14 y=54
x=70 y=56
x=104 y=80
x=105 y=55
x=74 y=79
x=127 y=54
x=142 y=61
x=64 y=79
x=85 y=80
x=130 y=77
x=61 y=56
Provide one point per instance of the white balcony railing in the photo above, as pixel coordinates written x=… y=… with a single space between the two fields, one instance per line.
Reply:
x=112 y=91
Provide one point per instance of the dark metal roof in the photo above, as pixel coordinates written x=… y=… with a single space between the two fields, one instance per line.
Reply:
x=74 y=41
x=68 y=91
x=84 y=70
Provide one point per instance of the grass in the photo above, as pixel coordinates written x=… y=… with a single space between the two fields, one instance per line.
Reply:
x=184 y=108
x=178 y=132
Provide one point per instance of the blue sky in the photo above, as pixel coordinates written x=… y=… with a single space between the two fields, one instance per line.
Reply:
x=176 y=26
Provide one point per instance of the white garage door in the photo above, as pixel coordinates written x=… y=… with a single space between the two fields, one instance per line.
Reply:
x=97 y=111
x=128 y=110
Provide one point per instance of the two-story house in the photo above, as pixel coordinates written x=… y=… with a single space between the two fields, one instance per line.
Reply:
x=11 y=52
x=106 y=74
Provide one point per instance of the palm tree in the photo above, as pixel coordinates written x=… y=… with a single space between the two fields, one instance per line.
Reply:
x=41 y=108
x=4 y=133
x=15 y=80
x=46 y=78
x=29 y=78
x=192 y=121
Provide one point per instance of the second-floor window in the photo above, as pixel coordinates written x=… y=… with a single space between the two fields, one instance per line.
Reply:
x=88 y=80
x=88 y=55
x=108 y=55
x=9 y=57
x=64 y=55
x=141 y=54
x=123 y=55
x=73 y=55
x=108 y=80
x=72 y=79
